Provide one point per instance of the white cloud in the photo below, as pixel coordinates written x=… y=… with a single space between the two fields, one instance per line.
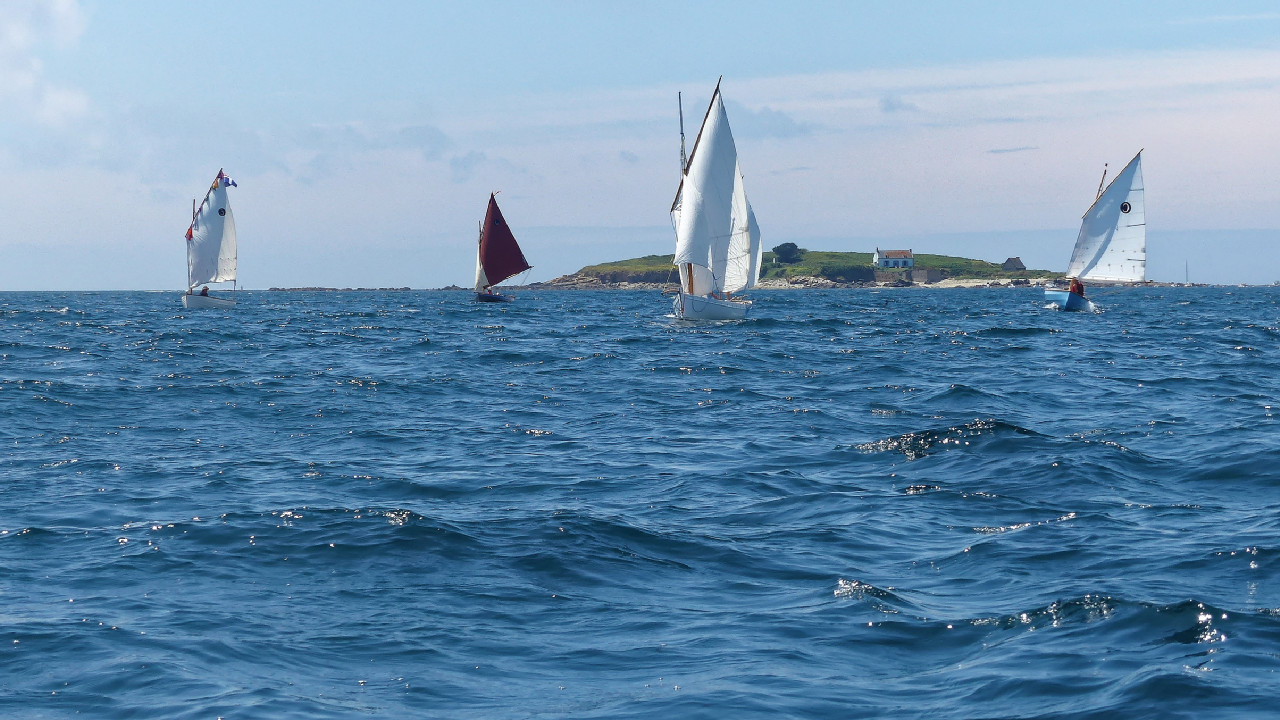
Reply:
x=26 y=28
x=764 y=123
x=1205 y=118
x=893 y=103
x=1216 y=19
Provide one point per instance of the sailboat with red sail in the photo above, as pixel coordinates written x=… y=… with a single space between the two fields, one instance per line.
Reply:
x=498 y=256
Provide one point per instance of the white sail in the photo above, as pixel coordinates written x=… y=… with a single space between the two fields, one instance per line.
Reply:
x=743 y=251
x=1112 y=245
x=211 y=242
x=755 y=250
x=482 y=280
x=716 y=232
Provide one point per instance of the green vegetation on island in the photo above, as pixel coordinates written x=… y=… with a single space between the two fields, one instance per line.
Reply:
x=789 y=261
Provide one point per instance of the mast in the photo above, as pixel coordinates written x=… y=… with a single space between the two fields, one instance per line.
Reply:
x=710 y=105
x=193 y=223
x=684 y=161
x=684 y=168
x=481 y=280
x=1101 y=182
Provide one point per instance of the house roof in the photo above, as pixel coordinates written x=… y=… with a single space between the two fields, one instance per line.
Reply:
x=894 y=253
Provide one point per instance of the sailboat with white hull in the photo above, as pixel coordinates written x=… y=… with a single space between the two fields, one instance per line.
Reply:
x=1112 y=245
x=718 y=248
x=498 y=255
x=211 y=246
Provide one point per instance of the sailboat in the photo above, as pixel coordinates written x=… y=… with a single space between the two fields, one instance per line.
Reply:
x=211 y=246
x=718 y=249
x=1112 y=245
x=498 y=256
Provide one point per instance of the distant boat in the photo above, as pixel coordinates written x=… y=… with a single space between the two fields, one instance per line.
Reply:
x=718 y=249
x=1112 y=245
x=498 y=256
x=211 y=246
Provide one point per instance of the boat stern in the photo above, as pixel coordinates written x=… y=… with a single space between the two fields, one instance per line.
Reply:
x=701 y=307
x=1066 y=300
x=196 y=302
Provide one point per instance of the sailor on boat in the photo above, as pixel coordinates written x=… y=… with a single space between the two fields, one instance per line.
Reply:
x=1112 y=244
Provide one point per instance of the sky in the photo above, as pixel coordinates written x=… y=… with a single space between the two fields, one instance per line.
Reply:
x=366 y=137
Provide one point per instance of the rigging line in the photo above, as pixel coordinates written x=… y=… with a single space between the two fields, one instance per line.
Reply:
x=667 y=282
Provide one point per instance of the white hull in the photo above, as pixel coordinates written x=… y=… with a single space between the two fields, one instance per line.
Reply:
x=206 y=301
x=701 y=307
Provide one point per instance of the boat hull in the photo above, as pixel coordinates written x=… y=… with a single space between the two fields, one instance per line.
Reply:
x=493 y=297
x=1066 y=300
x=701 y=307
x=206 y=301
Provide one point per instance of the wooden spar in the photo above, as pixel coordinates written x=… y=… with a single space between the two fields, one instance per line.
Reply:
x=189 y=228
x=698 y=139
x=1104 y=178
x=684 y=161
x=1100 y=182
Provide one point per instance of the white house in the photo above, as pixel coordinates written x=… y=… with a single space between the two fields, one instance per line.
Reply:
x=893 y=259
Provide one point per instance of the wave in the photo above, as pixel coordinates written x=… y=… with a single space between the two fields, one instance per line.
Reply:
x=331 y=504
x=920 y=444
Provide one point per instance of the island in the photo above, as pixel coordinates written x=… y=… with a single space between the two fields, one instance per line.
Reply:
x=789 y=266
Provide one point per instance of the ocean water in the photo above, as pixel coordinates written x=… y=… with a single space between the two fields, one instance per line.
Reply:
x=857 y=503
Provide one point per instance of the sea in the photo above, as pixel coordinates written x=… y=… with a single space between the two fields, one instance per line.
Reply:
x=867 y=503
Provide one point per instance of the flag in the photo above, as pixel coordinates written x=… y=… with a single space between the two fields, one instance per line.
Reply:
x=189 y=232
x=226 y=180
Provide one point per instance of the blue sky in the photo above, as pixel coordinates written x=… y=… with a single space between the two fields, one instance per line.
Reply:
x=365 y=137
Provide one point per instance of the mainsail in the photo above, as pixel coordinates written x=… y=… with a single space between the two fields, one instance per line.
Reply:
x=1112 y=245
x=717 y=240
x=498 y=256
x=211 y=238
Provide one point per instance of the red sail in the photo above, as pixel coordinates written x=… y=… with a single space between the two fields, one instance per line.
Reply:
x=499 y=254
